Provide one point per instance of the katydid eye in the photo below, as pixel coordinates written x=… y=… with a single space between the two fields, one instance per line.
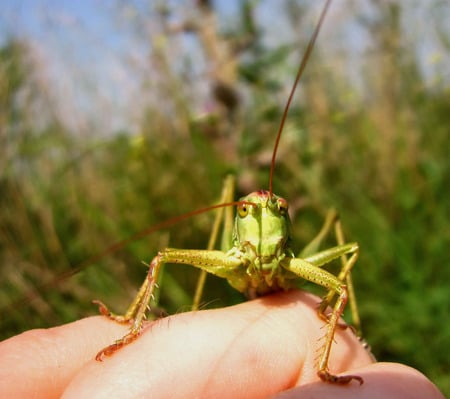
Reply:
x=282 y=206
x=242 y=210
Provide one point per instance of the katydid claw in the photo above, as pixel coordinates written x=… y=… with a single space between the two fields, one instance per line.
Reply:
x=104 y=311
x=326 y=376
x=111 y=349
x=102 y=308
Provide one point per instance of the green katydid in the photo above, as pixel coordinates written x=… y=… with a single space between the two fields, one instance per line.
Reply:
x=256 y=257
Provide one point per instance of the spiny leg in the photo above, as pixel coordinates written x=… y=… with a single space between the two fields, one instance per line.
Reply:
x=332 y=220
x=311 y=272
x=327 y=300
x=323 y=371
x=130 y=314
x=135 y=313
x=215 y=262
x=344 y=275
x=326 y=256
x=356 y=321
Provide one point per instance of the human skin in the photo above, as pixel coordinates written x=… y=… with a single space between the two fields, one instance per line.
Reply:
x=259 y=349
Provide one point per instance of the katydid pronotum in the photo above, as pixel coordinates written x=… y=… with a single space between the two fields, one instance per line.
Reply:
x=256 y=257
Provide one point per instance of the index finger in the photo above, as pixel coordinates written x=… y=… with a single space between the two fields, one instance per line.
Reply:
x=249 y=350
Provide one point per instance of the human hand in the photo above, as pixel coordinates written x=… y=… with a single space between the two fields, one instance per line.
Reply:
x=258 y=349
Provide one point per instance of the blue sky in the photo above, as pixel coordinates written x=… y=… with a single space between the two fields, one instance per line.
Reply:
x=88 y=46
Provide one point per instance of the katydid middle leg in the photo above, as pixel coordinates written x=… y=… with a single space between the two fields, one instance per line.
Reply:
x=332 y=221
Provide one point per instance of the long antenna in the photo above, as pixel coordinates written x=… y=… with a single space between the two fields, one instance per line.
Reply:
x=33 y=294
x=291 y=95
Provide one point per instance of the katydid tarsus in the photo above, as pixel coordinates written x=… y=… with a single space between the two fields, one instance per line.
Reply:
x=256 y=256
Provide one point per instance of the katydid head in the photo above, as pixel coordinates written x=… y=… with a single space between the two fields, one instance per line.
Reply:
x=262 y=221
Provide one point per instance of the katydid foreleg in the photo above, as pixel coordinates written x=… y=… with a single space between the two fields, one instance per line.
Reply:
x=135 y=314
x=215 y=262
x=332 y=220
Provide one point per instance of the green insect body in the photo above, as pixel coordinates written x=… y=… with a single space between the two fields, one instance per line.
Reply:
x=260 y=242
x=259 y=262
x=256 y=257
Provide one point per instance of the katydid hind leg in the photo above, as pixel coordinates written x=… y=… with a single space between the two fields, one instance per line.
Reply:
x=132 y=310
x=333 y=222
x=223 y=216
x=356 y=321
x=344 y=275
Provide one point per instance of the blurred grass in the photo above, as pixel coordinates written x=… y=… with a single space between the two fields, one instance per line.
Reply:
x=380 y=156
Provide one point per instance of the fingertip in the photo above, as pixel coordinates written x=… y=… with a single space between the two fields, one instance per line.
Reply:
x=399 y=381
x=261 y=346
x=381 y=380
x=47 y=359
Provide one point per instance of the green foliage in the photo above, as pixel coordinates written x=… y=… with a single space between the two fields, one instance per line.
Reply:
x=381 y=159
